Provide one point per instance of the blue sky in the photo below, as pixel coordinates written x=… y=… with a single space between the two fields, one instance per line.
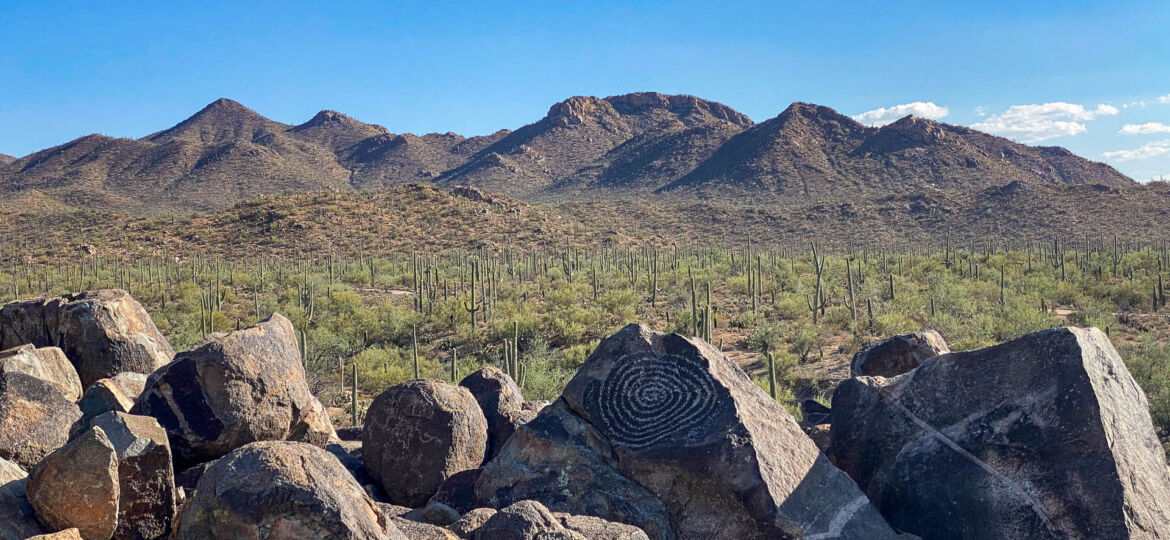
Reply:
x=1068 y=73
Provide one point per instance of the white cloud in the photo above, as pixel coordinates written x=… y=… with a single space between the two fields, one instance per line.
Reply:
x=1164 y=99
x=1037 y=122
x=1144 y=129
x=1149 y=150
x=884 y=115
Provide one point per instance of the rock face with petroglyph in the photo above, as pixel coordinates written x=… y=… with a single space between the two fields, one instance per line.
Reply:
x=34 y=418
x=233 y=389
x=1046 y=436
x=725 y=459
x=103 y=332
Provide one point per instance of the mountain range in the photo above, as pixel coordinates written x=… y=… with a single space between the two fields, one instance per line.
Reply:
x=644 y=146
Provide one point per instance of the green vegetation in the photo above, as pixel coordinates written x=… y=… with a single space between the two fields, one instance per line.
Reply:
x=538 y=313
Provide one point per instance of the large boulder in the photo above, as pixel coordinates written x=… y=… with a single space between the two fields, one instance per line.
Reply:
x=281 y=491
x=524 y=520
x=419 y=433
x=103 y=332
x=1045 y=436
x=34 y=418
x=101 y=397
x=725 y=459
x=562 y=461
x=594 y=528
x=234 y=389
x=18 y=520
x=77 y=486
x=146 y=478
x=46 y=363
x=897 y=355
x=502 y=403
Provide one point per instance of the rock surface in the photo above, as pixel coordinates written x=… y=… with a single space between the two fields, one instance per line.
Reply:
x=77 y=486
x=1045 y=436
x=419 y=433
x=524 y=520
x=689 y=426
x=467 y=524
x=897 y=355
x=18 y=520
x=595 y=528
x=563 y=462
x=281 y=490
x=146 y=478
x=101 y=397
x=234 y=389
x=67 y=534
x=103 y=332
x=46 y=363
x=501 y=402
x=34 y=418
x=458 y=491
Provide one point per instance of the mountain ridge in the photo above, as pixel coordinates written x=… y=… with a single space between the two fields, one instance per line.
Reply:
x=641 y=145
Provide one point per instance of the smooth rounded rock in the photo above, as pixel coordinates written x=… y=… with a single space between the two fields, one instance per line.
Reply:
x=77 y=486
x=46 y=363
x=419 y=433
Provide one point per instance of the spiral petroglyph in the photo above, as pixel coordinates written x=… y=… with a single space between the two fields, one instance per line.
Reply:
x=647 y=398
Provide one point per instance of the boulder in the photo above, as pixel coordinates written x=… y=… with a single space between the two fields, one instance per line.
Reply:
x=18 y=520
x=897 y=355
x=458 y=491
x=67 y=534
x=419 y=433
x=46 y=363
x=595 y=528
x=189 y=478
x=467 y=524
x=1045 y=436
x=524 y=520
x=501 y=402
x=103 y=332
x=101 y=397
x=146 y=478
x=434 y=513
x=535 y=406
x=422 y=531
x=77 y=486
x=813 y=413
x=726 y=459
x=563 y=462
x=822 y=436
x=280 y=490
x=234 y=389
x=131 y=383
x=349 y=453
x=34 y=418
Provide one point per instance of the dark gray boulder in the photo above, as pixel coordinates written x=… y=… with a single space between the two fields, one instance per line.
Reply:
x=281 y=491
x=103 y=332
x=34 y=418
x=101 y=397
x=897 y=355
x=234 y=389
x=458 y=491
x=419 y=433
x=1045 y=436
x=501 y=402
x=18 y=520
x=724 y=457
x=563 y=462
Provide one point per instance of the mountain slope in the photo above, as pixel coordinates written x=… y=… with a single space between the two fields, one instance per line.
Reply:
x=674 y=148
x=5 y=159
x=811 y=152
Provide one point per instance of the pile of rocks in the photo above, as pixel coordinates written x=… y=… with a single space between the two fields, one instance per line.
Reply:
x=658 y=436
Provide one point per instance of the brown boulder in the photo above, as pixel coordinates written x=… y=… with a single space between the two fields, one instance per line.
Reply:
x=595 y=528
x=524 y=520
x=146 y=479
x=67 y=534
x=34 y=418
x=281 y=491
x=467 y=524
x=46 y=363
x=422 y=531
x=101 y=397
x=897 y=355
x=132 y=384
x=501 y=402
x=102 y=332
x=1045 y=436
x=18 y=520
x=419 y=433
x=234 y=389
x=726 y=459
x=77 y=486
